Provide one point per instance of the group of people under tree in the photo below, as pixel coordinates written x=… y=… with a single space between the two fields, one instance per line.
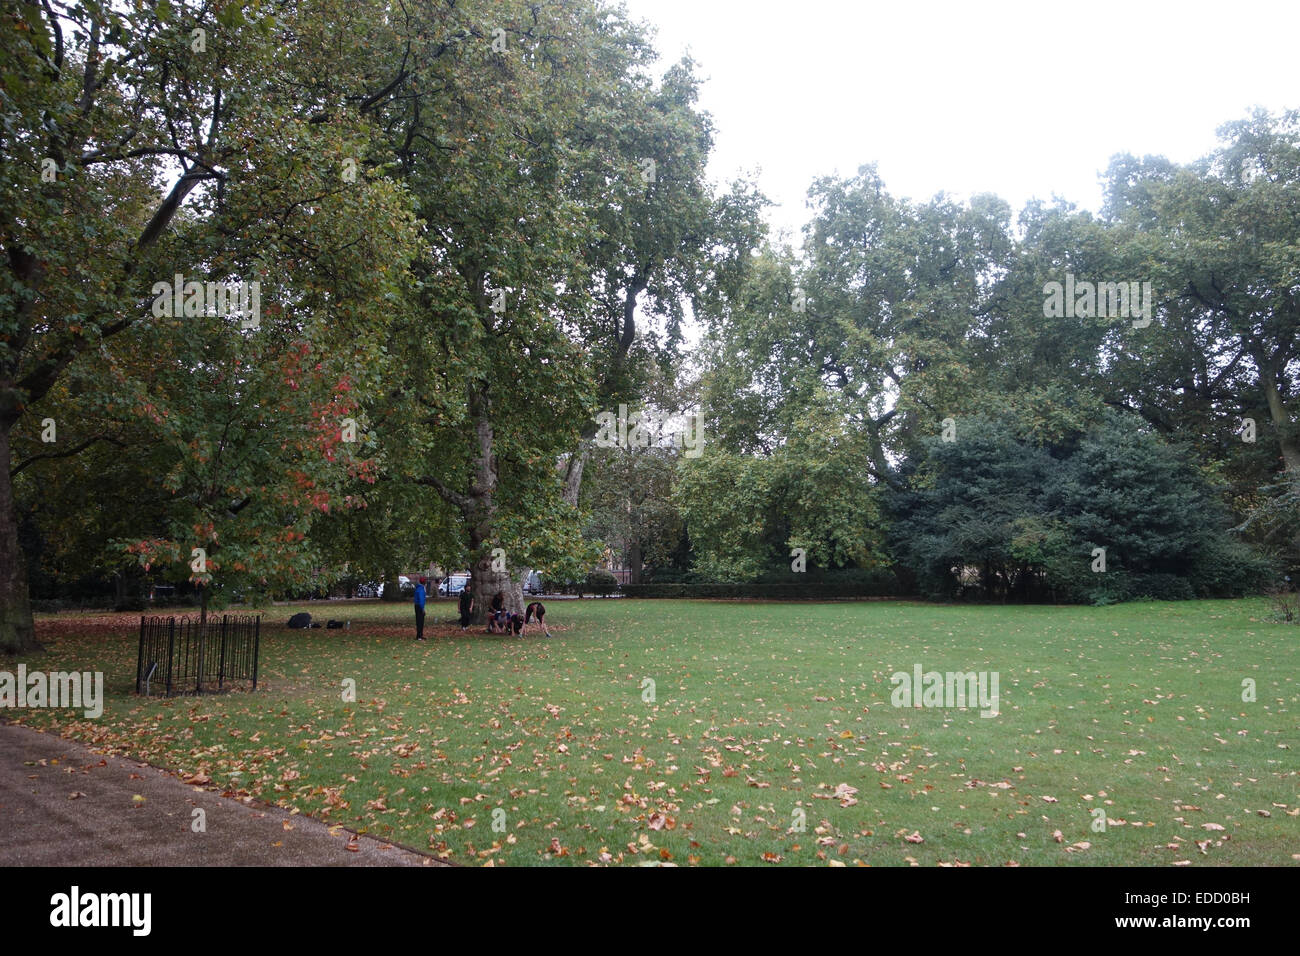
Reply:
x=500 y=620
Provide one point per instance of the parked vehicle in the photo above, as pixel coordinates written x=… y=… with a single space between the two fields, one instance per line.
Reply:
x=454 y=584
x=533 y=584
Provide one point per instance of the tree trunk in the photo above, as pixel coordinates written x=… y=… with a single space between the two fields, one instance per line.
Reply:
x=479 y=508
x=17 y=633
x=634 y=561
x=487 y=583
x=1281 y=420
x=392 y=587
x=515 y=596
x=1287 y=442
x=573 y=472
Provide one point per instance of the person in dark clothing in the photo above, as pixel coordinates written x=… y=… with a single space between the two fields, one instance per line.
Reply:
x=538 y=609
x=466 y=605
x=497 y=614
x=419 y=609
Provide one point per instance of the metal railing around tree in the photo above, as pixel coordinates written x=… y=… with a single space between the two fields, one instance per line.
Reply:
x=185 y=655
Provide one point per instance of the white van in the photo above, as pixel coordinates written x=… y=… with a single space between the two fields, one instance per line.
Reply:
x=454 y=584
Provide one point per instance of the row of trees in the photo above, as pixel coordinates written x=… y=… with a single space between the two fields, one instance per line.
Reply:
x=470 y=225
x=910 y=390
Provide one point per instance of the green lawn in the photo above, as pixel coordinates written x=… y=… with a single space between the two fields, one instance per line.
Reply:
x=763 y=714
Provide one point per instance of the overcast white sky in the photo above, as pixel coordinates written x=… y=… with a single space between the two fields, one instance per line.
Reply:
x=1021 y=99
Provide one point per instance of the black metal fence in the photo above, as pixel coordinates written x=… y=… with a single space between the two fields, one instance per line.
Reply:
x=184 y=655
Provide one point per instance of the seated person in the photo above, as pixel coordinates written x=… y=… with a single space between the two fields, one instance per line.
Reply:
x=497 y=615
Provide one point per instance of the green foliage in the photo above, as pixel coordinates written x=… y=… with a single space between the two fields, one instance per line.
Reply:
x=857 y=583
x=995 y=514
x=601 y=582
x=728 y=501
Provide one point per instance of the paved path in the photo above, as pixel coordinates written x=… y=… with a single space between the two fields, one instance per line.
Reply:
x=61 y=804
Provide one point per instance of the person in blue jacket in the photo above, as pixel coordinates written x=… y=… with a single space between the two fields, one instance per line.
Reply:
x=419 y=609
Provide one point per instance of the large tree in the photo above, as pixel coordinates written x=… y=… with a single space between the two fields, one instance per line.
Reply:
x=149 y=140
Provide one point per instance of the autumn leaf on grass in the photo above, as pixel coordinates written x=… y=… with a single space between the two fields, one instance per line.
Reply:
x=771 y=857
x=845 y=794
x=756 y=783
x=914 y=837
x=555 y=849
x=198 y=780
x=658 y=821
x=1076 y=847
x=1211 y=826
x=1058 y=836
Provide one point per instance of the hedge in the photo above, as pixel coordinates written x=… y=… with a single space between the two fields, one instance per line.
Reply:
x=772 y=592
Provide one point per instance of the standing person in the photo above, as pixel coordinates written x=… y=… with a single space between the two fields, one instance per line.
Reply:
x=466 y=605
x=419 y=609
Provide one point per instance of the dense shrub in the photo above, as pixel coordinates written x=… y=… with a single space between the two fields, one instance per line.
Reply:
x=881 y=587
x=601 y=582
x=997 y=515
